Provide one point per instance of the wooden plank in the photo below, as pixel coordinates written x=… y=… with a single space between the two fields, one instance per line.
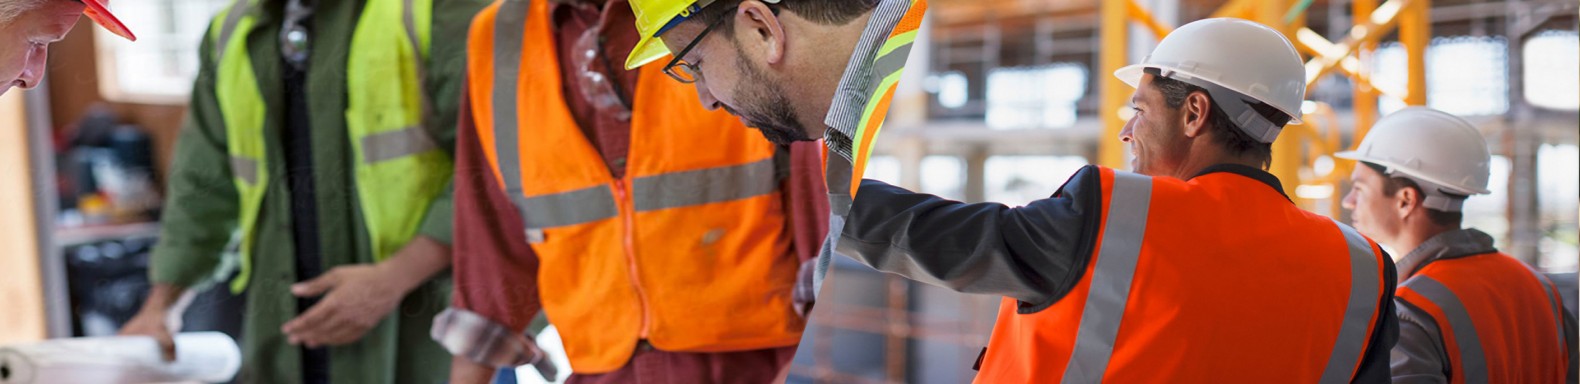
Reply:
x=21 y=283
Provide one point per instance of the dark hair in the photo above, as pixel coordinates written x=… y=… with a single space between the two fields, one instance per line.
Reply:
x=1393 y=184
x=825 y=12
x=1232 y=138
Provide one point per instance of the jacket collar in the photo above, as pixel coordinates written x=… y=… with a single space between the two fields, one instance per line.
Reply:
x=1447 y=245
x=1253 y=173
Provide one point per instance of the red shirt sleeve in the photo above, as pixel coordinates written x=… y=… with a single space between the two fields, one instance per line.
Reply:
x=495 y=270
x=806 y=199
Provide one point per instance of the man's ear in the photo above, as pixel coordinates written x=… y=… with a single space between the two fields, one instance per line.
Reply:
x=1193 y=114
x=755 y=21
x=1406 y=201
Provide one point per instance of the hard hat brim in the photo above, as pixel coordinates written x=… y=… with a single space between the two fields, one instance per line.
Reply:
x=1349 y=155
x=647 y=50
x=1357 y=156
x=101 y=15
x=1132 y=74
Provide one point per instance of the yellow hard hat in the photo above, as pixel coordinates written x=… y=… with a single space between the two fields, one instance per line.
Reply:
x=653 y=18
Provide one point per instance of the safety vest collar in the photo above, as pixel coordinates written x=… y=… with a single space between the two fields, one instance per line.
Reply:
x=1447 y=245
x=1242 y=170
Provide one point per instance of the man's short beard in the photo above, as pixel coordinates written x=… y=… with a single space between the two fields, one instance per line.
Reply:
x=766 y=107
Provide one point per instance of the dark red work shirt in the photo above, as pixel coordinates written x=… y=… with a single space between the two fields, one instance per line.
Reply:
x=495 y=270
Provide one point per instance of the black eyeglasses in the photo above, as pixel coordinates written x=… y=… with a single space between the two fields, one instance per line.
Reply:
x=687 y=72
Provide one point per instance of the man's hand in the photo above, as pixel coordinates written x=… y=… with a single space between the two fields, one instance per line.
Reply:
x=357 y=297
x=153 y=319
x=463 y=371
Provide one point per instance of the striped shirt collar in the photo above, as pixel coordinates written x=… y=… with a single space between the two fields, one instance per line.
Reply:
x=856 y=85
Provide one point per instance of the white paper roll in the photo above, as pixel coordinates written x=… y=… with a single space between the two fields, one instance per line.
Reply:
x=200 y=356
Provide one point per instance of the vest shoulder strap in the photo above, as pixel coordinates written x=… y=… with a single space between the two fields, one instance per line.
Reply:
x=1467 y=343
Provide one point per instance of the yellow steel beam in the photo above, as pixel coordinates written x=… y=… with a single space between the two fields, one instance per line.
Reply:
x=1235 y=8
x=1314 y=44
x=1114 y=93
x=1135 y=11
x=1415 y=32
x=1382 y=20
x=1365 y=96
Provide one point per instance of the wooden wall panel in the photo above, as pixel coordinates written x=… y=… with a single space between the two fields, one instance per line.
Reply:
x=21 y=285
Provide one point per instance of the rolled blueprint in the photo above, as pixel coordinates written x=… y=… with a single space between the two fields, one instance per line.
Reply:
x=200 y=356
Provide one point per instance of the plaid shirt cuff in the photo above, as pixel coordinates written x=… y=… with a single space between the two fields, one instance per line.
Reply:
x=470 y=335
x=805 y=291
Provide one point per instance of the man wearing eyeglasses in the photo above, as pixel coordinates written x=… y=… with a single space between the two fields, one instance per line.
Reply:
x=315 y=163
x=666 y=243
x=797 y=70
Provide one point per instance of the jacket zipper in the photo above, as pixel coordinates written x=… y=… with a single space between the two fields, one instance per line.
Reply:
x=629 y=219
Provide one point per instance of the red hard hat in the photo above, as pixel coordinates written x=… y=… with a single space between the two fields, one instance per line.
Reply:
x=101 y=14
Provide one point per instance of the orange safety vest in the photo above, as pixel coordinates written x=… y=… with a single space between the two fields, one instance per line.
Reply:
x=1500 y=321
x=687 y=251
x=1214 y=279
x=888 y=64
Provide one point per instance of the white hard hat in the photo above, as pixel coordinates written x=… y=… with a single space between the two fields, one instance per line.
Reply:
x=1224 y=54
x=1440 y=151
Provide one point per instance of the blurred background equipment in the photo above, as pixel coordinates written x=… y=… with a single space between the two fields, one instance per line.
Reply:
x=107 y=173
x=208 y=357
x=81 y=159
x=1003 y=100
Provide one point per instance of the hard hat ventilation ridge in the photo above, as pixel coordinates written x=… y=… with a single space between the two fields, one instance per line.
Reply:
x=1238 y=107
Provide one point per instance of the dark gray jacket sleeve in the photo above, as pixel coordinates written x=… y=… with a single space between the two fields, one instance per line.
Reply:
x=1574 y=357
x=1420 y=356
x=1034 y=253
x=1376 y=363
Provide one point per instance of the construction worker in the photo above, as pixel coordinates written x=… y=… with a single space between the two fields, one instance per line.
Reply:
x=1467 y=313
x=28 y=27
x=316 y=156
x=795 y=70
x=664 y=242
x=1198 y=268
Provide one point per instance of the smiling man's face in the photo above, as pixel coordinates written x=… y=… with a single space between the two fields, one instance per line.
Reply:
x=1154 y=133
x=25 y=39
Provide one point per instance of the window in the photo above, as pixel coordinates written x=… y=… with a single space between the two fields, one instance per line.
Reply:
x=160 y=66
x=1034 y=97
x=941 y=175
x=1556 y=187
x=1465 y=75
x=1018 y=180
x=952 y=89
x=1550 y=78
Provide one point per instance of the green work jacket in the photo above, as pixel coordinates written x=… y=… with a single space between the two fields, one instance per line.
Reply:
x=201 y=216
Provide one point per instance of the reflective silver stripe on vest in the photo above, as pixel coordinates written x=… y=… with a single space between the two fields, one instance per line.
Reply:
x=509 y=25
x=1556 y=302
x=888 y=64
x=543 y=211
x=570 y=208
x=396 y=144
x=1123 y=233
x=1358 y=313
x=232 y=17
x=244 y=168
x=704 y=186
x=1472 y=362
x=409 y=18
